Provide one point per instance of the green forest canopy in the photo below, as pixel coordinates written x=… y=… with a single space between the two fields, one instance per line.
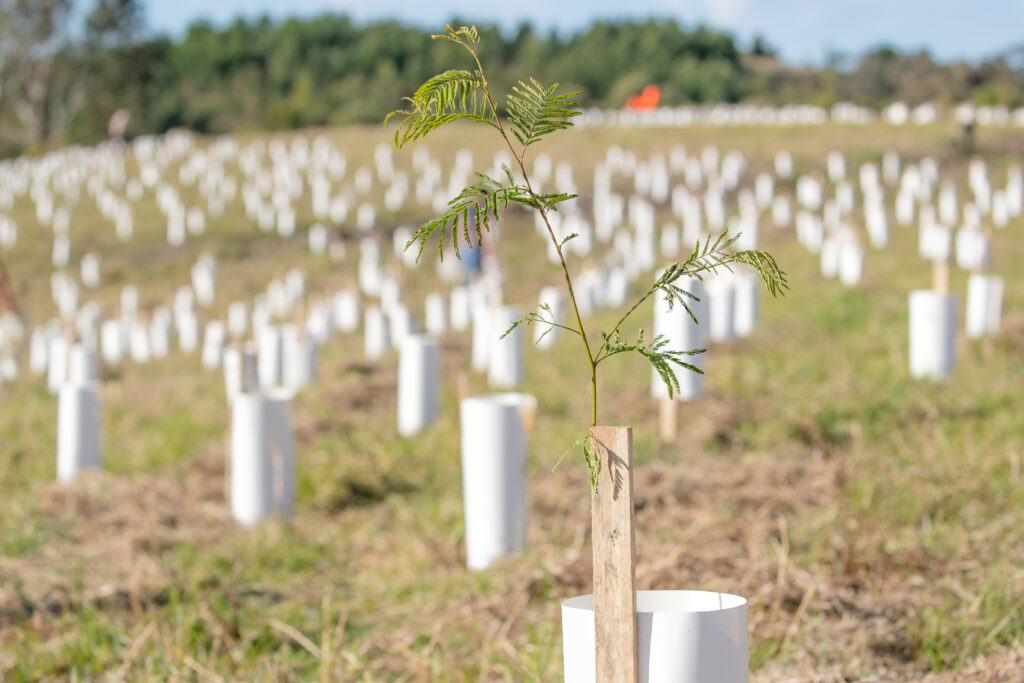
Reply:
x=330 y=70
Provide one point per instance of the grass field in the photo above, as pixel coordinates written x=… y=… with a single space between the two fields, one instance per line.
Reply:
x=875 y=523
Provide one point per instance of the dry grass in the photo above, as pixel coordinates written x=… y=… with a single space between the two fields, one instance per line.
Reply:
x=874 y=523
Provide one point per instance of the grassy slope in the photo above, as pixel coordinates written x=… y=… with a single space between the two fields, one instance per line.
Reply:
x=874 y=522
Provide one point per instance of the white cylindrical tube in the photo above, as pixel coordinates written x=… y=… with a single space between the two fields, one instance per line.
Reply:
x=251 y=484
x=346 y=311
x=138 y=342
x=683 y=334
x=112 y=341
x=270 y=363
x=682 y=636
x=851 y=264
x=460 y=313
x=56 y=363
x=435 y=315
x=78 y=430
x=214 y=340
x=238 y=319
x=376 y=333
x=721 y=297
x=932 y=334
x=746 y=308
x=160 y=335
x=188 y=331
x=493 y=477
x=505 y=358
x=282 y=450
x=299 y=356
x=418 y=384
x=984 y=305
x=401 y=323
x=38 y=351
x=240 y=372
x=83 y=367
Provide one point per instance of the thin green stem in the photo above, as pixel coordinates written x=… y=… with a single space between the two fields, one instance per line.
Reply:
x=551 y=233
x=603 y=354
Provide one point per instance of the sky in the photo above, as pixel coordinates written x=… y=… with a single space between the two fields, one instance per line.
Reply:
x=803 y=31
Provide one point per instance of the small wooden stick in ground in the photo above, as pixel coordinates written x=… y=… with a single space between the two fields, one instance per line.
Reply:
x=667 y=419
x=614 y=556
x=940 y=277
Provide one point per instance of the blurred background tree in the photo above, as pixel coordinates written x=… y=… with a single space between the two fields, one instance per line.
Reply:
x=66 y=68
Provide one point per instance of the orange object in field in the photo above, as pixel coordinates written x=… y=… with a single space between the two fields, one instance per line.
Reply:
x=647 y=99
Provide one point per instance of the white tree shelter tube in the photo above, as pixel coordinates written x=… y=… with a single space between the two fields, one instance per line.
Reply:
x=682 y=636
x=418 y=384
x=494 y=476
x=251 y=486
x=78 y=430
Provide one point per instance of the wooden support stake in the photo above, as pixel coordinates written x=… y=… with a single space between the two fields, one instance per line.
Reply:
x=940 y=277
x=667 y=419
x=614 y=556
x=462 y=385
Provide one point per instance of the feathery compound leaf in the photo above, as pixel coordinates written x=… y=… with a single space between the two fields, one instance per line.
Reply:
x=538 y=317
x=661 y=359
x=449 y=96
x=535 y=111
x=473 y=209
x=464 y=35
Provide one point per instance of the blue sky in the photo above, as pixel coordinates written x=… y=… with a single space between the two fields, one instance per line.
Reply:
x=802 y=30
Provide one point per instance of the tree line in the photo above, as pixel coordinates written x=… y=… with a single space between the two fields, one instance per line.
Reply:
x=64 y=71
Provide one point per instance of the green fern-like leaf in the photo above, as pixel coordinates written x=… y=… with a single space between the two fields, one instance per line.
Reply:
x=464 y=35
x=535 y=110
x=485 y=199
x=449 y=96
x=660 y=358
x=538 y=317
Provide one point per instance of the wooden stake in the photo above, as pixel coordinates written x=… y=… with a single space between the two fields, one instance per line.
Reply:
x=940 y=277
x=462 y=385
x=667 y=420
x=614 y=556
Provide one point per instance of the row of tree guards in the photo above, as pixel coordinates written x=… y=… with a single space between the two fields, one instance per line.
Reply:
x=267 y=348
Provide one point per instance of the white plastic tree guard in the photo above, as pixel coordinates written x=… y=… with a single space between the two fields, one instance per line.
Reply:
x=494 y=475
x=418 y=384
x=401 y=323
x=188 y=331
x=721 y=297
x=214 y=341
x=83 y=368
x=851 y=263
x=684 y=334
x=78 y=430
x=262 y=471
x=435 y=314
x=138 y=342
x=346 y=311
x=282 y=451
x=746 y=303
x=376 y=333
x=459 y=309
x=682 y=636
x=271 y=356
x=932 y=334
x=984 y=305
x=240 y=372
x=505 y=359
x=299 y=357
x=56 y=363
